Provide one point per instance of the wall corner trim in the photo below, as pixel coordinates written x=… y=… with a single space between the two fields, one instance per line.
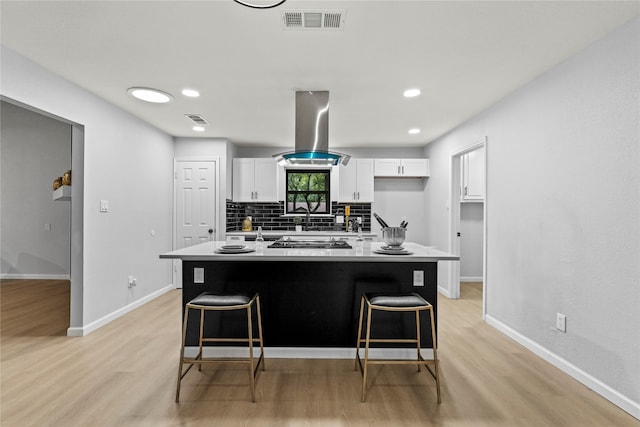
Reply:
x=81 y=331
x=604 y=390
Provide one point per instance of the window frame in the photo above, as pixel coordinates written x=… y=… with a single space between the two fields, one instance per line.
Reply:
x=326 y=192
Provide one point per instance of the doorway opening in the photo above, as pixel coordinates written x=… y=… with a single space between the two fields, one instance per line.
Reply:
x=196 y=189
x=37 y=224
x=467 y=222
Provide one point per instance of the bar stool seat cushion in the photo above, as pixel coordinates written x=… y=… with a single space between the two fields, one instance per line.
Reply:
x=216 y=300
x=397 y=300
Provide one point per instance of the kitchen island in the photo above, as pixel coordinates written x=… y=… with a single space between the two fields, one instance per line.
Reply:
x=310 y=296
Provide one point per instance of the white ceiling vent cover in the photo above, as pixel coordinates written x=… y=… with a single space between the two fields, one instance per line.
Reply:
x=313 y=20
x=197 y=119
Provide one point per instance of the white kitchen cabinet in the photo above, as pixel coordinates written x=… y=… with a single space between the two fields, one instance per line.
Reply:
x=473 y=170
x=356 y=181
x=255 y=180
x=409 y=168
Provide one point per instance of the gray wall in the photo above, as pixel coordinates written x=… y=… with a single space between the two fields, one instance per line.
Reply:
x=563 y=203
x=35 y=150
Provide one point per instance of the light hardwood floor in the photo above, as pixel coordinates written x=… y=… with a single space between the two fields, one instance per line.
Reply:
x=124 y=375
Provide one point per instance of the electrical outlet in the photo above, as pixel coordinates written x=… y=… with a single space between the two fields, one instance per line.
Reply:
x=561 y=322
x=198 y=275
x=418 y=278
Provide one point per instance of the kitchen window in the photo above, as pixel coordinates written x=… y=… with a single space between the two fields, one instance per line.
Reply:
x=308 y=191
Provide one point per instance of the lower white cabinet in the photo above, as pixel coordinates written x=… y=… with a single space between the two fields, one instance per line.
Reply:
x=356 y=181
x=255 y=180
x=409 y=168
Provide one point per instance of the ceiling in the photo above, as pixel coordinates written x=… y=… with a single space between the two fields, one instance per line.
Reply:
x=464 y=56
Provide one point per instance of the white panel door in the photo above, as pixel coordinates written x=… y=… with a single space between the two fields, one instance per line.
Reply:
x=195 y=210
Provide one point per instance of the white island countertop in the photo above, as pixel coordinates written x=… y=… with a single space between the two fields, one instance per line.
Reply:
x=206 y=252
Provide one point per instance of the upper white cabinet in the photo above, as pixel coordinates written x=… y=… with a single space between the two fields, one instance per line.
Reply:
x=255 y=180
x=356 y=181
x=410 y=168
x=473 y=172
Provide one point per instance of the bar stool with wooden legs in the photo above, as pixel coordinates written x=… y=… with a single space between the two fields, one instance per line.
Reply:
x=396 y=303
x=208 y=301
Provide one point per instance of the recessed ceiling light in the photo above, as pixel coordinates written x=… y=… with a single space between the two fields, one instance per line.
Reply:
x=198 y=128
x=411 y=93
x=150 y=95
x=191 y=93
x=414 y=131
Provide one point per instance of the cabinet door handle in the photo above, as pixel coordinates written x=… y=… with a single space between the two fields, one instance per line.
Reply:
x=398 y=170
x=466 y=190
x=402 y=170
x=358 y=196
x=256 y=195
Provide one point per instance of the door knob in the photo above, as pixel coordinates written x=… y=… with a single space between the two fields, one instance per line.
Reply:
x=211 y=231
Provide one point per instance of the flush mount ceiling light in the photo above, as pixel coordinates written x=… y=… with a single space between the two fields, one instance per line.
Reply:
x=198 y=128
x=191 y=93
x=261 y=4
x=150 y=95
x=411 y=93
x=414 y=131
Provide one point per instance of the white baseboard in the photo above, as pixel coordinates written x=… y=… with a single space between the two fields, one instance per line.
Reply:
x=310 y=353
x=35 y=276
x=87 y=329
x=471 y=279
x=615 y=397
x=444 y=292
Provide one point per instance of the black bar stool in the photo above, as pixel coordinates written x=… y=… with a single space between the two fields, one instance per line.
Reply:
x=398 y=303
x=208 y=301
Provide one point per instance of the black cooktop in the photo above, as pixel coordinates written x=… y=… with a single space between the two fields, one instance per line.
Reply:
x=310 y=244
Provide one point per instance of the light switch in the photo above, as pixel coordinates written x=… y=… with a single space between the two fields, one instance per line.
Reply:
x=47 y=227
x=104 y=206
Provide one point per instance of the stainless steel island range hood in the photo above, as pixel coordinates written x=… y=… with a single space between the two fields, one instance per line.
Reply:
x=312 y=133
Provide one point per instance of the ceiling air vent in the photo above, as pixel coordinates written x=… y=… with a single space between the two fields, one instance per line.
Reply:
x=197 y=119
x=313 y=20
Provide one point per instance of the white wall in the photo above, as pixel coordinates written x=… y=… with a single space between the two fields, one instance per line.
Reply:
x=471 y=241
x=126 y=162
x=35 y=150
x=563 y=209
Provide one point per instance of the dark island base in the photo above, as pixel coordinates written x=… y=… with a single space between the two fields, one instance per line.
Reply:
x=309 y=304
